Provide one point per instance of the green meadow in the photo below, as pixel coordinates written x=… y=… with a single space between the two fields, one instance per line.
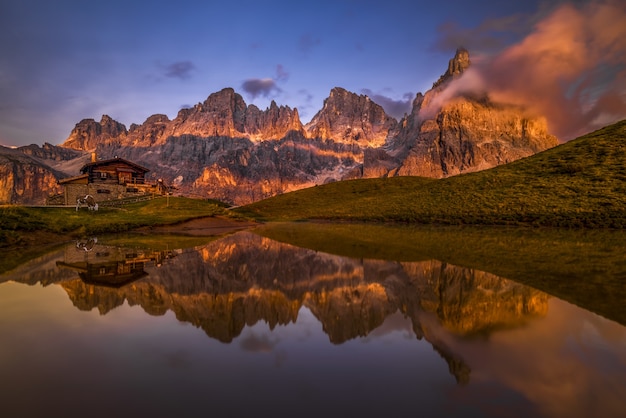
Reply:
x=579 y=184
x=18 y=222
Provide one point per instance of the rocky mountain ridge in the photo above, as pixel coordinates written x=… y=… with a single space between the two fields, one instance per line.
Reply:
x=25 y=178
x=225 y=149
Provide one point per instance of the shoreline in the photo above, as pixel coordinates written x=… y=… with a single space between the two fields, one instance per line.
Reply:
x=204 y=226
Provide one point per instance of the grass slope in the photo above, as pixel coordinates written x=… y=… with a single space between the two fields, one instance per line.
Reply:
x=578 y=184
x=18 y=224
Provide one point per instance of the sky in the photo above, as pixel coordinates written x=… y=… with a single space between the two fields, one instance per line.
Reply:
x=68 y=60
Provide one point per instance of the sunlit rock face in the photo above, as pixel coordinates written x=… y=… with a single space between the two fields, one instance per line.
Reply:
x=273 y=123
x=468 y=135
x=456 y=66
x=223 y=114
x=24 y=179
x=450 y=131
x=88 y=134
x=225 y=149
x=347 y=118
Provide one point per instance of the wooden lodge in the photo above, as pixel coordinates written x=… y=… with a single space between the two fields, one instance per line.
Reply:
x=110 y=179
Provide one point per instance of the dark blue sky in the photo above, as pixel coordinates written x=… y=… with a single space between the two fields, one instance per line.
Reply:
x=66 y=60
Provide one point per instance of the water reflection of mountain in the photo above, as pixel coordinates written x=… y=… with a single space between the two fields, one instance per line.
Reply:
x=244 y=278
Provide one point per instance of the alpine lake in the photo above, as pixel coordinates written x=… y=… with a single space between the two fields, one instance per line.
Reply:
x=319 y=320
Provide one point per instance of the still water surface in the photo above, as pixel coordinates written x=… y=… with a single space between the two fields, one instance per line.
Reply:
x=243 y=325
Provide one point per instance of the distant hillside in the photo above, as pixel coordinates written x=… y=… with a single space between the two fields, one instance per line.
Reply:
x=578 y=184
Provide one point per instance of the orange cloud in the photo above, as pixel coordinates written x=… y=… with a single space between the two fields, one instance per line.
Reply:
x=571 y=68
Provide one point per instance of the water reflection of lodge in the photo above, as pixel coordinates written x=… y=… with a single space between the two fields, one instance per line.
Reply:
x=109 y=265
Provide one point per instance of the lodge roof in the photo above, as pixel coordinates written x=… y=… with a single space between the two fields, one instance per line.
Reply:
x=113 y=160
x=71 y=179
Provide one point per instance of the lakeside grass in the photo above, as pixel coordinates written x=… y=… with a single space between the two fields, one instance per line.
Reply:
x=20 y=225
x=581 y=183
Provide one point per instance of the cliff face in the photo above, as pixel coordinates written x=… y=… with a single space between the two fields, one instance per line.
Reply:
x=346 y=117
x=224 y=149
x=88 y=133
x=24 y=179
x=467 y=135
x=449 y=133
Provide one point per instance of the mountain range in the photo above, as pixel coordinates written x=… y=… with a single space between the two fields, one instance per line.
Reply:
x=225 y=149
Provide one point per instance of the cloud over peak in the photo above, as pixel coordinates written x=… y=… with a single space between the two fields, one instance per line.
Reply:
x=265 y=87
x=570 y=68
x=394 y=108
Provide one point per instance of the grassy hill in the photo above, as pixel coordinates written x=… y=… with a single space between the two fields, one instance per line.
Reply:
x=578 y=184
x=21 y=226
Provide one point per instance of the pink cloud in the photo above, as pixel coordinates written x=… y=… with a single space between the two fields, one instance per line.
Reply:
x=571 y=69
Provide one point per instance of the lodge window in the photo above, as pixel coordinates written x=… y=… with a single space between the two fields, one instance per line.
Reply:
x=103 y=175
x=105 y=191
x=132 y=190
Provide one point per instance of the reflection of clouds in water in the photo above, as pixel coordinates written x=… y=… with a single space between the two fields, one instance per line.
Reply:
x=257 y=344
x=306 y=324
x=556 y=362
x=280 y=358
x=179 y=359
x=605 y=332
x=396 y=322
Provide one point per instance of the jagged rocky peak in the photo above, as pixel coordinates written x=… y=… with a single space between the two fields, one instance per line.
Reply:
x=348 y=117
x=88 y=133
x=225 y=114
x=228 y=105
x=456 y=67
x=149 y=132
x=50 y=152
x=466 y=135
x=111 y=126
x=452 y=133
x=272 y=123
x=156 y=119
x=222 y=114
